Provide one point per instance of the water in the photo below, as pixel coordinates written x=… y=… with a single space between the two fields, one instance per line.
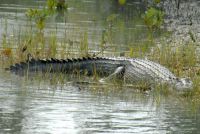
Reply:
x=91 y=17
x=38 y=105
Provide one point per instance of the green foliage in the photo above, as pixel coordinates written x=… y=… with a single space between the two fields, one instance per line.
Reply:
x=51 y=4
x=32 y=13
x=56 y=5
x=153 y=18
x=40 y=16
x=122 y=2
x=157 y=1
x=131 y=53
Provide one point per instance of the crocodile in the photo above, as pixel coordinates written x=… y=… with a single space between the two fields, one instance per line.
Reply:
x=129 y=70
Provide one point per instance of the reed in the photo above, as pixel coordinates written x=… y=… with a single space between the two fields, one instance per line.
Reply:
x=84 y=51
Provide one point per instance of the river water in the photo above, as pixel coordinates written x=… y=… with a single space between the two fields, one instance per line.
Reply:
x=38 y=105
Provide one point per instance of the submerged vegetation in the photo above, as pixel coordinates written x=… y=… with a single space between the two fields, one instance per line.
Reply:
x=180 y=58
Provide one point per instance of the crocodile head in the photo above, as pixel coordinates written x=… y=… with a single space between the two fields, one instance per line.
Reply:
x=183 y=84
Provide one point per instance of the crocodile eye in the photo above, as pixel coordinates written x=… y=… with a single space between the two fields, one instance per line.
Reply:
x=177 y=79
x=174 y=78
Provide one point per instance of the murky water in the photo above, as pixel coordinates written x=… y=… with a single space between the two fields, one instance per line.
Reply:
x=96 y=18
x=39 y=106
x=29 y=106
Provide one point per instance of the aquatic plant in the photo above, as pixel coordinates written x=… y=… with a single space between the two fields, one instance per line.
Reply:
x=153 y=18
x=122 y=2
x=40 y=16
x=52 y=46
x=51 y=4
x=84 y=45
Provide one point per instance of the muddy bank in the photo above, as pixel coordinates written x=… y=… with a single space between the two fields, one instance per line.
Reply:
x=182 y=17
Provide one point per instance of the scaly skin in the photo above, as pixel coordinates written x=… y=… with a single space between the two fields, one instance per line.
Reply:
x=130 y=70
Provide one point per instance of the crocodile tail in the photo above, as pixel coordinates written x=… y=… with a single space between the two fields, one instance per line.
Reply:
x=45 y=64
x=33 y=62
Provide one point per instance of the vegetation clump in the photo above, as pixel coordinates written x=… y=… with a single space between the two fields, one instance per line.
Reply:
x=153 y=18
x=40 y=16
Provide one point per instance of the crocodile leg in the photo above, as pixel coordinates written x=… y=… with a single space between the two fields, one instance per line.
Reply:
x=117 y=75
